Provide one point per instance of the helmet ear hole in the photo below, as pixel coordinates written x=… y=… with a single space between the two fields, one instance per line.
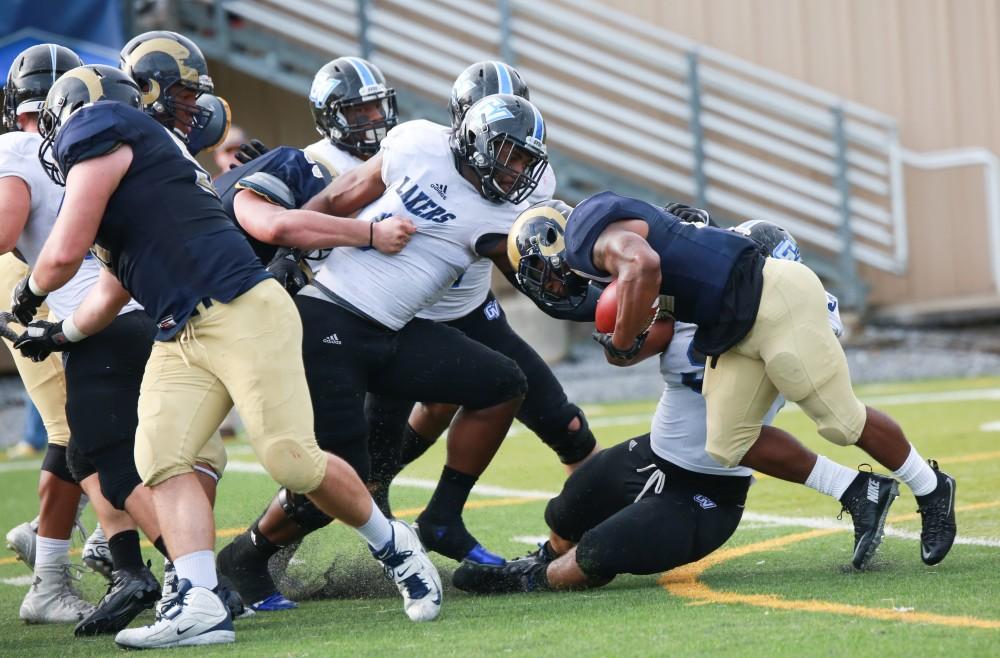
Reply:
x=551 y=236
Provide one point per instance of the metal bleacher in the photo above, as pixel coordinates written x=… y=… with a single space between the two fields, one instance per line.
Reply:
x=629 y=106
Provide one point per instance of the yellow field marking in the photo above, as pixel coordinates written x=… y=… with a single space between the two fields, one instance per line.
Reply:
x=683 y=582
x=407 y=513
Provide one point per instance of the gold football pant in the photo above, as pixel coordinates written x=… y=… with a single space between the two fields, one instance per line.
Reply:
x=790 y=349
x=44 y=381
x=247 y=353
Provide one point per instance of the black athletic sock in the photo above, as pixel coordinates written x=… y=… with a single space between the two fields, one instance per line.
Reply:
x=125 y=553
x=263 y=546
x=413 y=446
x=161 y=546
x=450 y=495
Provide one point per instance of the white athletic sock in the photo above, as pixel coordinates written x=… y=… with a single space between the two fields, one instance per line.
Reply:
x=199 y=568
x=50 y=551
x=916 y=474
x=377 y=531
x=830 y=478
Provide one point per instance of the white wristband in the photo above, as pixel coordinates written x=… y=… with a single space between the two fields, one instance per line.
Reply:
x=34 y=287
x=71 y=331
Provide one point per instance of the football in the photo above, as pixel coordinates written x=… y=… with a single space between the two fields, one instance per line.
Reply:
x=606 y=312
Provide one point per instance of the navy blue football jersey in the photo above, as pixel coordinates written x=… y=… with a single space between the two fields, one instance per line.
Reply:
x=711 y=277
x=164 y=233
x=285 y=176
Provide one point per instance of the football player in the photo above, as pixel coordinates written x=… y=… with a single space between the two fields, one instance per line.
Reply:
x=30 y=201
x=226 y=332
x=361 y=333
x=760 y=324
x=397 y=437
x=257 y=196
x=646 y=505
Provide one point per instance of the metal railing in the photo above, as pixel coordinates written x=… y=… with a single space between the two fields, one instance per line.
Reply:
x=628 y=105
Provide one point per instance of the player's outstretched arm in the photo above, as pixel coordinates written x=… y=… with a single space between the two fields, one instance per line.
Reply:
x=622 y=251
x=309 y=230
x=351 y=191
x=15 y=206
x=89 y=186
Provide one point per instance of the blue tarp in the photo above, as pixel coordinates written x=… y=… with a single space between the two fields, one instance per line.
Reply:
x=92 y=28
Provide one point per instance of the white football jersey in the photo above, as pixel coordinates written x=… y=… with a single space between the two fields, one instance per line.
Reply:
x=19 y=158
x=422 y=183
x=336 y=160
x=678 y=430
x=466 y=294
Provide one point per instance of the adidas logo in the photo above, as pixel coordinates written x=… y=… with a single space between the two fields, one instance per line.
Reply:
x=440 y=189
x=872 y=490
x=332 y=339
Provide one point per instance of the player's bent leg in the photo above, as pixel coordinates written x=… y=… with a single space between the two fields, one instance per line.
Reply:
x=489 y=386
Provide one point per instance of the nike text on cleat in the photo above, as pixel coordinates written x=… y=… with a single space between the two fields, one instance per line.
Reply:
x=867 y=500
x=937 y=513
x=53 y=599
x=407 y=564
x=131 y=591
x=193 y=616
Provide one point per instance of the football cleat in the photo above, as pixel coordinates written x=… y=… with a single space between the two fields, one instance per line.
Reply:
x=937 y=513
x=407 y=564
x=524 y=575
x=53 y=599
x=237 y=609
x=867 y=499
x=21 y=540
x=453 y=540
x=238 y=563
x=193 y=616
x=131 y=591
x=97 y=555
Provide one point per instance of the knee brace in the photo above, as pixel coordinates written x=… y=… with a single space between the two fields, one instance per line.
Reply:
x=117 y=474
x=79 y=465
x=568 y=445
x=298 y=465
x=302 y=511
x=55 y=463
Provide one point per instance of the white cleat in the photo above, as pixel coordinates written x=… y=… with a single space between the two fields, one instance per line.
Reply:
x=406 y=562
x=96 y=553
x=52 y=598
x=21 y=540
x=194 y=616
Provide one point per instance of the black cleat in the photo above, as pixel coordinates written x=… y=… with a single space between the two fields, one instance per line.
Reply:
x=131 y=591
x=516 y=576
x=867 y=500
x=937 y=512
x=451 y=539
x=245 y=570
x=233 y=602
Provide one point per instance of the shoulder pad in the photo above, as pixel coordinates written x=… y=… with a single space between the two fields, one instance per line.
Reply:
x=268 y=186
x=94 y=131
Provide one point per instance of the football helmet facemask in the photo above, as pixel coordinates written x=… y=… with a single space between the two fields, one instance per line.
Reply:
x=536 y=249
x=165 y=65
x=352 y=106
x=31 y=75
x=775 y=241
x=502 y=139
x=81 y=86
x=480 y=80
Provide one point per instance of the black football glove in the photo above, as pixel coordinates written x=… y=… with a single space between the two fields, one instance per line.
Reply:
x=41 y=339
x=288 y=268
x=250 y=152
x=24 y=303
x=687 y=213
x=620 y=355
